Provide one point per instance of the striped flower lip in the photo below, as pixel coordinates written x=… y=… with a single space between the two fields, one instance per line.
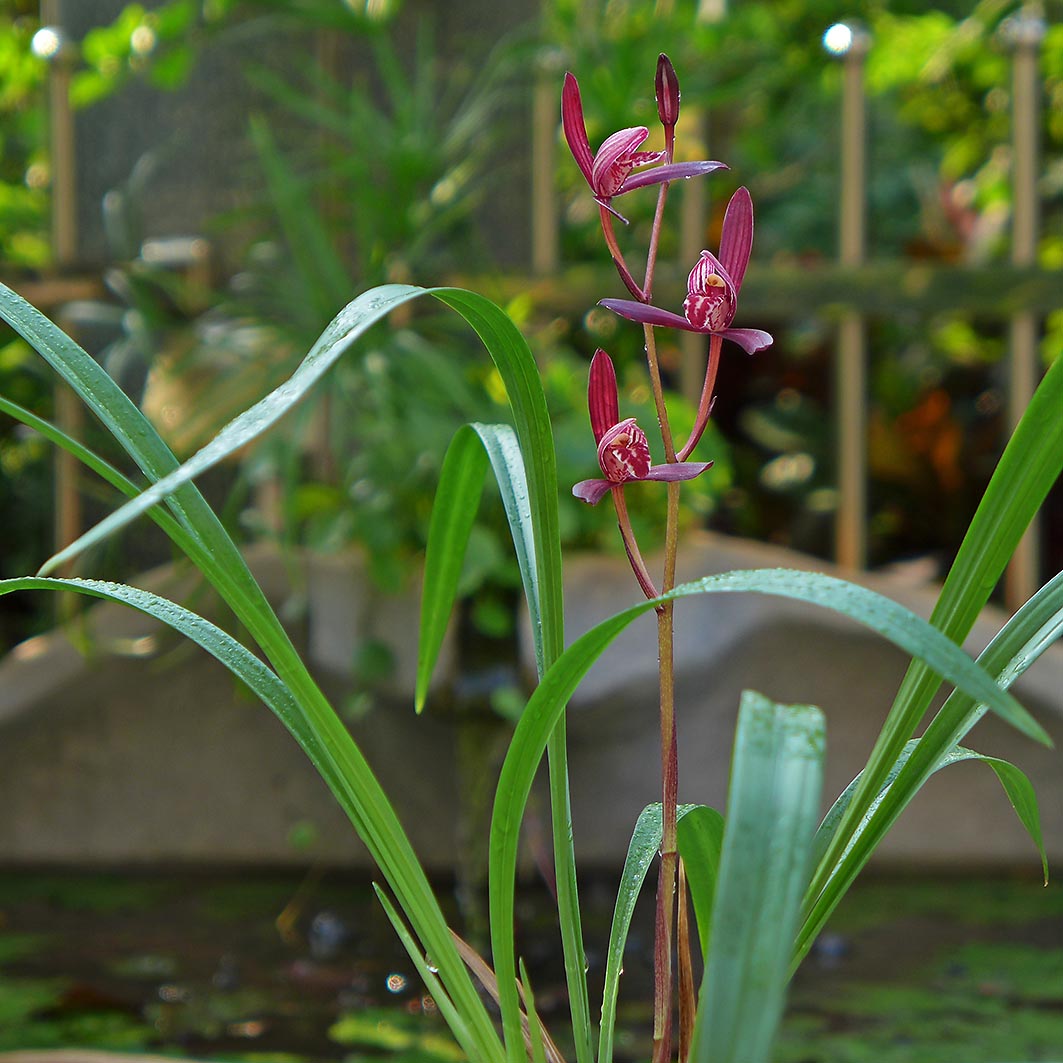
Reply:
x=609 y=172
x=712 y=286
x=623 y=450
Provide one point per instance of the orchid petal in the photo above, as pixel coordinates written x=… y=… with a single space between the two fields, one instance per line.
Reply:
x=592 y=491
x=706 y=265
x=649 y=315
x=673 y=171
x=613 y=162
x=677 y=470
x=602 y=395
x=575 y=128
x=736 y=239
x=750 y=340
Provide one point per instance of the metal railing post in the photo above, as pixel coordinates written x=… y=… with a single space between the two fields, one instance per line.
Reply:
x=850 y=43
x=1024 y=33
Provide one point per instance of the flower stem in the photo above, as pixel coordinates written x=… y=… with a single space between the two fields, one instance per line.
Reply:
x=655 y=238
x=618 y=256
x=705 y=403
x=658 y=393
x=634 y=556
x=662 y=1018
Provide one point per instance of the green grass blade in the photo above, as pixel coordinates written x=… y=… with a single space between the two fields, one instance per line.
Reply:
x=461 y=481
x=90 y=459
x=453 y=515
x=535 y=1027
x=451 y=1016
x=642 y=851
x=700 y=839
x=341 y=333
x=261 y=679
x=507 y=463
x=1030 y=465
x=1037 y=625
x=772 y=806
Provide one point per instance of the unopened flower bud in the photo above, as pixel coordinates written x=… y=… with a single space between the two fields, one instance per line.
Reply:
x=667 y=88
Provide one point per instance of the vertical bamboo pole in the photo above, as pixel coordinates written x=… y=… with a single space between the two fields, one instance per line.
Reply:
x=545 y=219
x=850 y=543
x=1024 y=33
x=67 y=521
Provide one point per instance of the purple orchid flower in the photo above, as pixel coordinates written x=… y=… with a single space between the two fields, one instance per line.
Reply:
x=712 y=287
x=623 y=450
x=609 y=172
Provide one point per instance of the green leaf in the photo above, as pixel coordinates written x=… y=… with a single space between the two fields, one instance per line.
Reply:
x=642 y=851
x=453 y=515
x=507 y=463
x=700 y=838
x=341 y=333
x=461 y=482
x=1036 y=626
x=451 y=1015
x=1030 y=465
x=261 y=679
x=97 y=464
x=772 y=805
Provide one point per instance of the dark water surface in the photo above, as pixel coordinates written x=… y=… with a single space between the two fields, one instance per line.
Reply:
x=275 y=968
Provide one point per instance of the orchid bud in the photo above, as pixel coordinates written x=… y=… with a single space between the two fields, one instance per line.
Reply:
x=667 y=89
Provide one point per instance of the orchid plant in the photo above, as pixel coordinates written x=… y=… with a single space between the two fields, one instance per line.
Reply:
x=762 y=879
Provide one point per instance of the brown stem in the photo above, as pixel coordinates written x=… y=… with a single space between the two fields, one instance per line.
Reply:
x=618 y=256
x=669 y=791
x=655 y=238
x=658 y=393
x=638 y=566
x=705 y=402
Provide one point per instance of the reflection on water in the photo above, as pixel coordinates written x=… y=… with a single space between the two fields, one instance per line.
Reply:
x=308 y=969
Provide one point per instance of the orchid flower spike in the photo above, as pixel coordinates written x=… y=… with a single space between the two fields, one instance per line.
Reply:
x=623 y=450
x=712 y=287
x=609 y=172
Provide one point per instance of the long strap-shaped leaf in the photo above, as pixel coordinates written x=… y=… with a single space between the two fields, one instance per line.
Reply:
x=461 y=482
x=1036 y=626
x=460 y=486
x=1030 y=465
x=547 y=703
x=772 y=806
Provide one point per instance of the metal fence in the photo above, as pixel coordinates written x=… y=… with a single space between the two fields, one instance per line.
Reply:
x=854 y=285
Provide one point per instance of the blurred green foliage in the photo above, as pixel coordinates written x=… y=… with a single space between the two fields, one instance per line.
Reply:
x=382 y=172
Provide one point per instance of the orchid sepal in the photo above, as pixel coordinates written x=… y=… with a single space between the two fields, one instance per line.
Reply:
x=672 y=171
x=593 y=491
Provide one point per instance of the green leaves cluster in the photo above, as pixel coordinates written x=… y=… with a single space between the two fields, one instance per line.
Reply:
x=762 y=881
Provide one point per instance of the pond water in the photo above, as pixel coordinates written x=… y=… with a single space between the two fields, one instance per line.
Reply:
x=276 y=968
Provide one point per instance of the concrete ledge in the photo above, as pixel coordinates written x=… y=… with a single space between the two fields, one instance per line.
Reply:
x=158 y=756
